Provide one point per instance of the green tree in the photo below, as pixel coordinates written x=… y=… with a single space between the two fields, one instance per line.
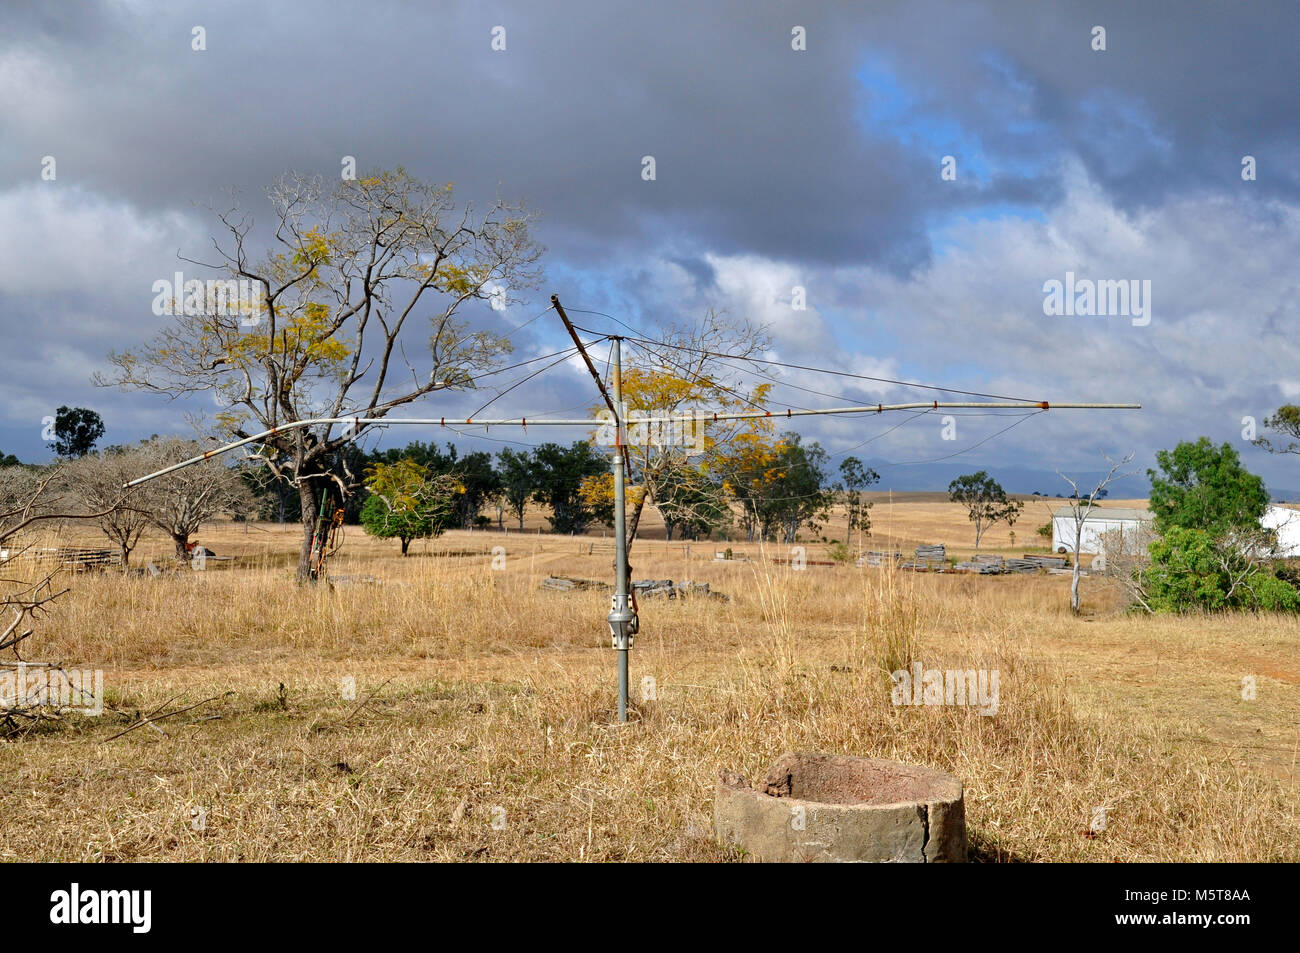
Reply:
x=985 y=501
x=76 y=431
x=1285 y=422
x=692 y=504
x=1201 y=486
x=678 y=376
x=778 y=483
x=518 y=480
x=406 y=501
x=792 y=492
x=854 y=479
x=479 y=482
x=559 y=473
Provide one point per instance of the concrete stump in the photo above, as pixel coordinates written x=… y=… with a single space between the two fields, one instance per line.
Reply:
x=822 y=807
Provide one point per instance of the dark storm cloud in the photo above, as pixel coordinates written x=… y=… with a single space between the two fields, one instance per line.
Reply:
x=774 y=168
x=758 y=148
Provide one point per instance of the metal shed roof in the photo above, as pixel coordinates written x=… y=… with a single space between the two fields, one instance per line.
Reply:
x=1108 y=513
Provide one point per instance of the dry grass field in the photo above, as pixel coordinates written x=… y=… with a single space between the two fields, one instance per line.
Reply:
x=483 y=723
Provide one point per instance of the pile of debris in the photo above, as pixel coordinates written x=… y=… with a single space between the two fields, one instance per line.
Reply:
x=79 y=559
x=878 y=559
x=364 y=579
x=569 y=584
x=643 y=588
x=667 y=589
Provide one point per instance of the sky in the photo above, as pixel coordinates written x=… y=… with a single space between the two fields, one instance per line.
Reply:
x=922 y=171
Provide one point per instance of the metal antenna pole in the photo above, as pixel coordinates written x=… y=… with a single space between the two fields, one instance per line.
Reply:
x=622 y=621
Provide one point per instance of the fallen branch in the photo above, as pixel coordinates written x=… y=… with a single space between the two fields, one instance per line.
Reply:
x=365 y=701
x=150 y=719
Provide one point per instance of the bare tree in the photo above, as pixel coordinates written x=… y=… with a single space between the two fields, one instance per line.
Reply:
x=181 y=501
x=28 y=497
x=1080 y=507
x=353 y=274
x=1125 y=560
x=98 y=481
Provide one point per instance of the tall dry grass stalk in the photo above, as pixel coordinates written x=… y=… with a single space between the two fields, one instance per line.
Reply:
x=893 y=617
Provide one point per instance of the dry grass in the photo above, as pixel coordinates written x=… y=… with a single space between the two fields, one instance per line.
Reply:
x=491 y=694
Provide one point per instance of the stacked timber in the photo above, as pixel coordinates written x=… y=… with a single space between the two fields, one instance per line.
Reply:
x=928 y=559
x=986 y=564
x=1021 y=566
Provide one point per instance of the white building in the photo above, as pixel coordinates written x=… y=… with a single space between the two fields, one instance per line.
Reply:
x=1286 y=522
x=1124 y=522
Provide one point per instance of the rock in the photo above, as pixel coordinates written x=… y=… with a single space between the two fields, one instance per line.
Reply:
x=654 y=588
x=821 y=807
x=569 y=584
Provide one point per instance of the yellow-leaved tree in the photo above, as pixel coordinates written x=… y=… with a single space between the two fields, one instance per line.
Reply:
x=353 y=312
x=680 y=468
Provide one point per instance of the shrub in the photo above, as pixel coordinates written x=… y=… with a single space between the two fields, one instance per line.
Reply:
x=1192 y=569
x=1274 y=594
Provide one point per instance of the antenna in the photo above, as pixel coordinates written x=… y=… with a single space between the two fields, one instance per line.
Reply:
x=622 y=618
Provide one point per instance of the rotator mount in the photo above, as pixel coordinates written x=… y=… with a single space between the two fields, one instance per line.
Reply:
x=623 y=621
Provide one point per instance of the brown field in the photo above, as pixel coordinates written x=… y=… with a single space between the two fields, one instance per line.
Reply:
x=479 y=696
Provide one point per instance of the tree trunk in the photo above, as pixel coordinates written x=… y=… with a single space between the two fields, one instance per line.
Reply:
x=406 y=544
x=307 y=498
x=635 y=521
x=126 y=554
x=1074 y=578
x=181 y=540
